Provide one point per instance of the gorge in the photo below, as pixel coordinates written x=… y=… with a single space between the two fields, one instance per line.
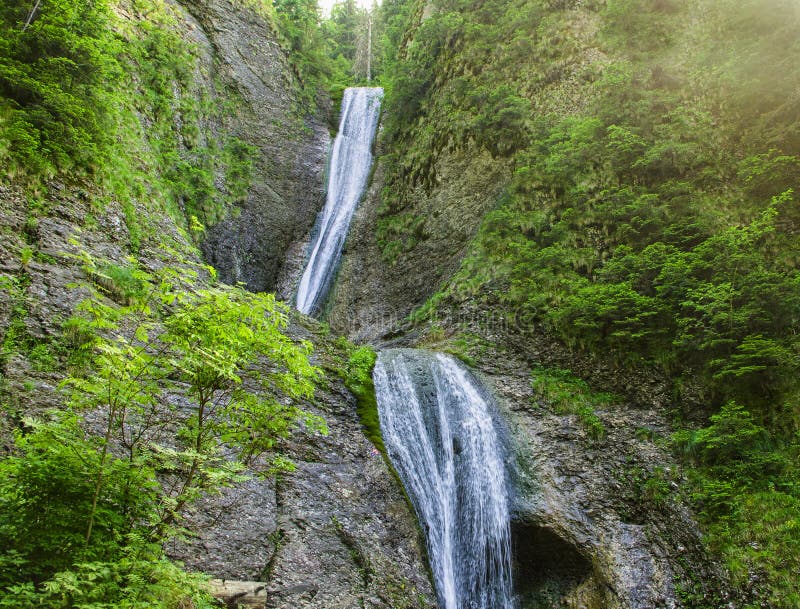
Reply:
x=426 y=305
x=437 y=426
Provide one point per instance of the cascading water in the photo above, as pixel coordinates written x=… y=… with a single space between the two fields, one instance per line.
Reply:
x=436 y=423
x=350 y=164
x=440 y=436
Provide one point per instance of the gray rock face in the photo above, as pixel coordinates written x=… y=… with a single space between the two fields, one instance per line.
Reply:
x=243 y=62
x=588 y=530
x=41 y=293
x=335 y=533
x=373 y=294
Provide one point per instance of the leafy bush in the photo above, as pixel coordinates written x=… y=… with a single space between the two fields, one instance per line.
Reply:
x=123 y=284
x=744 y=484
x=57 y=59
x=565 y=391
x=84 y=516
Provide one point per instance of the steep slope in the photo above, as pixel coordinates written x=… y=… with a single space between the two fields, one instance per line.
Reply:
x=199 y=136
x=243 y=65
x=438 y=176
x=607 y=191
x=206 y=100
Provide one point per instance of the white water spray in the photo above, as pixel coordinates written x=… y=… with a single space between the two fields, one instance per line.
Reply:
x=350 y=164
x=440 y=436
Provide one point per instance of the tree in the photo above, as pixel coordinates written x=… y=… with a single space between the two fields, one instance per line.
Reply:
x=345 y=21
x=56 y=61
x=185 y=387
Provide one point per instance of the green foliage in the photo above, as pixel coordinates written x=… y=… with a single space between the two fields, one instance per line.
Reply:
x=591 y=423
x=16 y=336
x=744 y=483
x=649 y=489
x=45 y=354
x=56 y=59
x=198 y=173
x=123 y=284
x=83 y=517
x=51 y=475
x=634 y=227
x=344 y=25
x=649 y=214
x=640 y=29
x=298 y=20
x=84 y=92
x=351 y=33
x=25 y=256
x=735 y=454
x=399 y=233
x=357 y=376
x=215 y=337
x=568 y=394
x=238 y=157
x=46 y=492
x=320 y=50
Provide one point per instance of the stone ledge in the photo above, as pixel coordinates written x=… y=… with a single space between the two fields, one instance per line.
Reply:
x=235 y=594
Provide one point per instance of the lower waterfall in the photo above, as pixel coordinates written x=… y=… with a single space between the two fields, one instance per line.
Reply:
x=440 y=436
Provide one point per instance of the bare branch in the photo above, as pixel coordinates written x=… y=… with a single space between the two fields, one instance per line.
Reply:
x=31 y=15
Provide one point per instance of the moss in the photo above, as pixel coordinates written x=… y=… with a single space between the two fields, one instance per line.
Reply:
x=398 y=234
x=357 y=376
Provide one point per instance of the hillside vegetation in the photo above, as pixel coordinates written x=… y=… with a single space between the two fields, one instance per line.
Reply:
x=146 y=384
x=650 y=215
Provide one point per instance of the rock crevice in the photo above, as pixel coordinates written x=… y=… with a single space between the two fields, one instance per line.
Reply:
x=245 y=67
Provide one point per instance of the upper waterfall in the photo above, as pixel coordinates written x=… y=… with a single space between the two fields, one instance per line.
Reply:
x=439 y=433
x=350 y=164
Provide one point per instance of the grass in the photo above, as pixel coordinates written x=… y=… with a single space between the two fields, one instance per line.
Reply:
x=566 y=393
x=122 y=284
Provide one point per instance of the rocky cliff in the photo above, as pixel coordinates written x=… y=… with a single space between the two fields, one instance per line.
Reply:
x=600 y=517
x=243 y=65
x=337 y=531
x=379 y=284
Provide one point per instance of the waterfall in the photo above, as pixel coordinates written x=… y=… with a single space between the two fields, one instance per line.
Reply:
x=439 y=433
x=350 y=164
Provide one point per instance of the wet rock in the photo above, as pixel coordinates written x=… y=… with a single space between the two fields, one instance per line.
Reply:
x=335 y=533
x=585 y=534
x=241 y=53
x=374 y=293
